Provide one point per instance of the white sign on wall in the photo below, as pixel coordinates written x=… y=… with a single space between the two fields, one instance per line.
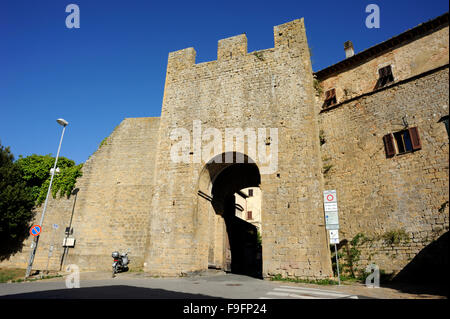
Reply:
x=331 y=210
x=334 y=236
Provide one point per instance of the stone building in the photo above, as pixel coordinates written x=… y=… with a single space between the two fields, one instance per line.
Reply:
x=248 y=205
x=372 y=127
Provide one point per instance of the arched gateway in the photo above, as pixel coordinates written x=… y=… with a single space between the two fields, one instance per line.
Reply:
x=232 y=243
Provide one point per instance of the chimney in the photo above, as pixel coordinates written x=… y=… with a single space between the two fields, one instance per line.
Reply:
x=348 y=47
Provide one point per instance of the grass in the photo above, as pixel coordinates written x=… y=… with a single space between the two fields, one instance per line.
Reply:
x=394 y=237
x=384 y=278
x=7 y=274
x=279 y=277
x=18 y=275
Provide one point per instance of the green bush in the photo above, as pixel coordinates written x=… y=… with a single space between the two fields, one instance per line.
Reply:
x=395 y=237
x=279 y=277
x=36 y=173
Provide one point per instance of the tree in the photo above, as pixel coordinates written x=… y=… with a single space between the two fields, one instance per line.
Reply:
x=23 y=186
x=16 y=205
x=36 y=172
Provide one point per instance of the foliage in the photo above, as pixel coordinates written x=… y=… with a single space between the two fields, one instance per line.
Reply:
x=11 y=274
x=103 y=142
x=384 y=277
x=259 y=55
x=16 y=205
x=17 y=275
x=258 y=238
x=322 y=137
x=279 y=277
x=360 y=239
x=63 y=183
x=349 y=256
x=394 y=237
x=341 y=256
x=326 y=169
x=317 y=86
x=36 y=173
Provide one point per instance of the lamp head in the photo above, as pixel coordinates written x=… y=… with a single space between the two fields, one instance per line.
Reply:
x=62 y=122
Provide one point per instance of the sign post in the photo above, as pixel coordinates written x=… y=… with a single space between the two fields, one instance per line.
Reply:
x=50 y=249
x=332 y=222
x=337 y=264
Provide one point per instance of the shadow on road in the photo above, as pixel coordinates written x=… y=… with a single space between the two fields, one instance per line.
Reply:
x=107 y=292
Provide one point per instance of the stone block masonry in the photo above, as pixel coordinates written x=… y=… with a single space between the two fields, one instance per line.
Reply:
x=378 y=195
x=173 y=215
x=110 y=211
x=270 y=88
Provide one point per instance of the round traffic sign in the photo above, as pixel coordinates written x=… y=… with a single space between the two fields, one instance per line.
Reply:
x=330 y=197
x=35 y=230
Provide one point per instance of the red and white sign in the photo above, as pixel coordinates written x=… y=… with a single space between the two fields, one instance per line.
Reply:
x=35 y=230
x=331 y=210
x=329 y=196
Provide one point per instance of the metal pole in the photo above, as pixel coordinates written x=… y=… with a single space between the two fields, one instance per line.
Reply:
x=36 y=239
x=65 y=252
x=337 y=264
x=50 y=249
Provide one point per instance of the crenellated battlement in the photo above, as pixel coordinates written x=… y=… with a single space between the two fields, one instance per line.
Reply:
x=286 y=36
x=289 y=34
x=232 y=47
x=181 y=59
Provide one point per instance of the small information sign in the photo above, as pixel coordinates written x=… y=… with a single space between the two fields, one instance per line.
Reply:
x=331 y=210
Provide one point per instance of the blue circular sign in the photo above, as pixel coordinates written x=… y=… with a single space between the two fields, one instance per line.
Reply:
x=35 y=230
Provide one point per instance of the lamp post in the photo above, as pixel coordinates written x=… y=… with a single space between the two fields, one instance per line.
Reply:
x=34 y=244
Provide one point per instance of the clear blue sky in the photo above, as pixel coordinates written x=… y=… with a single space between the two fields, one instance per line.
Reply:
x=114 y=65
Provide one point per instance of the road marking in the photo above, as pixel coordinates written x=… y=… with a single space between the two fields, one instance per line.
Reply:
x=283 y=294
x=306 y=293
x=314 y=291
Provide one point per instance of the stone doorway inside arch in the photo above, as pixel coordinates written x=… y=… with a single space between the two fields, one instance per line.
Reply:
x=230 y=198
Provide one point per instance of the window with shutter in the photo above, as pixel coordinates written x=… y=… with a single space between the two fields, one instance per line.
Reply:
x=330 y=98
x=249 y=215
x=385 y=77
x=415 y=138
x=405 y=141
x=389 y=145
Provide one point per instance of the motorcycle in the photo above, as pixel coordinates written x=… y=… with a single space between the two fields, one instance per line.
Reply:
x=120 y=263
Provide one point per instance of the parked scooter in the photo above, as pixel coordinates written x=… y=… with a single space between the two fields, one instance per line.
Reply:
x=120 y=263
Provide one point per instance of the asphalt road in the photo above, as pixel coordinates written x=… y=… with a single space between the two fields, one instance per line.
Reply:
x=226 y=286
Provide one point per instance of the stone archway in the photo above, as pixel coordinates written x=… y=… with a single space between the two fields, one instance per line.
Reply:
x=231 y=242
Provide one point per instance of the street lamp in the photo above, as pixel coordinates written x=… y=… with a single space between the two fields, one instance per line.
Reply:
x=34 y=244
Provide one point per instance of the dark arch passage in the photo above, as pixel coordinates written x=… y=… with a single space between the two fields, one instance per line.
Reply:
x=228 y=179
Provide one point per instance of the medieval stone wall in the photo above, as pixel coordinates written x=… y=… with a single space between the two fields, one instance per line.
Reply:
x=110 y=211
x=379 y=197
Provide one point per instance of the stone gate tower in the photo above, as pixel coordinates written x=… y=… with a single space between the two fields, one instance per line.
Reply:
x=268 y=89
